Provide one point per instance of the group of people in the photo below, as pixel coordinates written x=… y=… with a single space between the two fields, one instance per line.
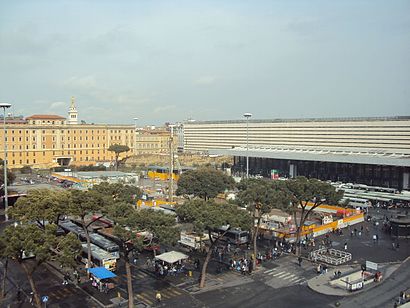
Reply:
x=245 y=266
x=163 y=269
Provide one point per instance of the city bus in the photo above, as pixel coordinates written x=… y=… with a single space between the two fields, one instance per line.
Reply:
x=99 y=257
x=69 y=226
x=105 y=244
x=234 y=236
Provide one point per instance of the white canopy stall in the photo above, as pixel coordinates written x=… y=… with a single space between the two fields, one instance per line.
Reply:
x=171 y=257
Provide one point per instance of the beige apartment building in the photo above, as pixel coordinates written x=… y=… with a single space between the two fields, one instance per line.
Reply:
x=153 y=141
x=44 y=141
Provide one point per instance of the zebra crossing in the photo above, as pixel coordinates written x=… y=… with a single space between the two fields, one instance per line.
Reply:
x=282 y=276
x=148 y=296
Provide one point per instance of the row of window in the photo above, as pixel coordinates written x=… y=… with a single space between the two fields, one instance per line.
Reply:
x=73 y=131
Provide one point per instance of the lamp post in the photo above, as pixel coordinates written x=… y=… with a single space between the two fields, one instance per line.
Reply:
x=6 y=199
x=135 y=136
x=171 y=164
x=247 y=115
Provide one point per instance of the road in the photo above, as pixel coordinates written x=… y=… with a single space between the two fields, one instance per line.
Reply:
x=384 y=295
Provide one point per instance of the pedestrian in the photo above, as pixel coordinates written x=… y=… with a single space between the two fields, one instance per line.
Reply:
x=345 y=246
x=250 y=267
x=158 y=297
x=300 y=260
x=393 y=246
x=374 y=238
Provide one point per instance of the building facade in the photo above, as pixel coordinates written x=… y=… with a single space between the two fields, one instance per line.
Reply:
x=152 y=141
x=373 y=151
x=45 y=141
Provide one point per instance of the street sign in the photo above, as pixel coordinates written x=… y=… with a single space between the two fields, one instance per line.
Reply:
x=371 y=265
x=44 y=299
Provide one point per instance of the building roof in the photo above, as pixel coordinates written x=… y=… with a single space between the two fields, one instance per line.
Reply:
x=292 y=120
x=353 y=156
x=45 y=117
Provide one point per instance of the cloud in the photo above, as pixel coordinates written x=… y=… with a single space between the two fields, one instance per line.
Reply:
x=58 y=106
x=205 y=80
x=161 y=109
x=81 y=82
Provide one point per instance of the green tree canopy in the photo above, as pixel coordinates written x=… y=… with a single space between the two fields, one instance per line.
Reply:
x=119 y=192
x=27 y=239
x=260 y=196
x=306 y=195
x=41 y=205
x=210 y=216
x=204 y=183
x=118 y=149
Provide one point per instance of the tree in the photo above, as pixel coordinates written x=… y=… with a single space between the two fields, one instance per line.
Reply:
x=42 y=206
x=308 y=194
x=209 y=216
x=260 y=196
x=128 y=226
x=36 y=233
x=204 y=183
x=28 y=239
x=119 y=192
x=118 y=149
x=83 y=203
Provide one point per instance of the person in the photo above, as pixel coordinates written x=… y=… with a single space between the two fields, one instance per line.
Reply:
x=300 y=260
x=250 y=267
x=345 y=246
x=158 y=297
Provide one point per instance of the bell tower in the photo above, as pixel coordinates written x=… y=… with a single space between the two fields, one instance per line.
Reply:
x=72 y=113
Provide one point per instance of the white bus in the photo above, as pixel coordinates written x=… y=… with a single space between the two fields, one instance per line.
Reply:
x=99 y=257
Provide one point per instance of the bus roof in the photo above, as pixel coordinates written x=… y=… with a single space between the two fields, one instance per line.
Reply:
x=98 y=252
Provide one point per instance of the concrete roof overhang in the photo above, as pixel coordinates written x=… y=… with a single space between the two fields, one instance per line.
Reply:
x=337 y=156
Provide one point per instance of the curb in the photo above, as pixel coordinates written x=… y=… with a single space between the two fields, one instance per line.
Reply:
x=53 y=269
x=362 y=290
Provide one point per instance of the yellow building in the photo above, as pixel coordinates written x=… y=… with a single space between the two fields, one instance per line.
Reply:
x=153 y=141
x=44 y=141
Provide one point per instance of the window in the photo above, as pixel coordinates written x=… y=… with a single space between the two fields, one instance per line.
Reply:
x=34 y=161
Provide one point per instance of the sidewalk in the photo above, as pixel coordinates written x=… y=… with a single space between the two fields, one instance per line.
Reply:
x=326 y=283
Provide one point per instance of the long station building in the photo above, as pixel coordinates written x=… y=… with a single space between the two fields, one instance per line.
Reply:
x=372 y=151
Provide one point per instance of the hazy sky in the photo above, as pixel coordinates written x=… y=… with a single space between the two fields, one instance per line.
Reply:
x=166 y=61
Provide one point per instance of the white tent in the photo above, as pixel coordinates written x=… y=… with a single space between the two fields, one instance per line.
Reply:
x=171 y=257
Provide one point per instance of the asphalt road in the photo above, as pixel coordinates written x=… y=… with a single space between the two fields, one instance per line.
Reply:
x=384 y=295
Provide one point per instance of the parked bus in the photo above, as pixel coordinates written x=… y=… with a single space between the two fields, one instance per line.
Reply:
x=69 y=226
x=99 y=257
x=235 y=237
x=105 y=244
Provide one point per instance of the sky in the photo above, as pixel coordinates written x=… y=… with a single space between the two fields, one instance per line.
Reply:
x=169 y=61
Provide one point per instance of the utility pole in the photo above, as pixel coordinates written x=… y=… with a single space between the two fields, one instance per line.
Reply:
x=171 y=164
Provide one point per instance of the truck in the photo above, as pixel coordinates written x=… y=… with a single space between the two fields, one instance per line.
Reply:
x=193 y=240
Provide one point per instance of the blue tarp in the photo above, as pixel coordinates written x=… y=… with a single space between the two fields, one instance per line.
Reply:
x=101 y=273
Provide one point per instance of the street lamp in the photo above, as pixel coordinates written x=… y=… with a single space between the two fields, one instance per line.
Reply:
x=135 y=136
x=247 y=115
x=6 y=199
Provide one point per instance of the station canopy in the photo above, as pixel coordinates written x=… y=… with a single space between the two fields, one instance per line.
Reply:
x=101 y=273
x=171 y=257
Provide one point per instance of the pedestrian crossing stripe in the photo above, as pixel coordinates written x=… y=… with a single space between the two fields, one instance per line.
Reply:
x=144 y=299
x=289 y=275
x=148 y=296
x=283 y=275
x=277 y=274
x=271 y=270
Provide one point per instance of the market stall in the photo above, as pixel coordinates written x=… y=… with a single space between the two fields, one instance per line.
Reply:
x=171 y=263
x=102 y=278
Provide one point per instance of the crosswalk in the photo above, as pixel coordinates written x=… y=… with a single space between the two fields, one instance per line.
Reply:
x=281 y=277
x=148 y=296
